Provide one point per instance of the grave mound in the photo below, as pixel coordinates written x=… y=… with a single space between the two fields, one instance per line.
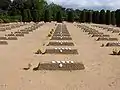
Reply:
x=60 y=66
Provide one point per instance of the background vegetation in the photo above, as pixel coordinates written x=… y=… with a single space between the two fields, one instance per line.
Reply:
x=40 y=10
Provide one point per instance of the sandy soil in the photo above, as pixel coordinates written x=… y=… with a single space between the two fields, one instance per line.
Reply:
x=101 y=69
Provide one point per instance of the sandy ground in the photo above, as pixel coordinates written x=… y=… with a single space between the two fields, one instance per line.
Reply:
x=2 y=33
x=101 y=69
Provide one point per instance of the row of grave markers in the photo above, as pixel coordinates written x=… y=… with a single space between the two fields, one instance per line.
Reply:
x=19 y=33
x=61 y=37
x=103 y=37
x=62 y=40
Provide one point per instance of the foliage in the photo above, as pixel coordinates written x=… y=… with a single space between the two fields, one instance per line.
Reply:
x=102 y=17
x=47 y=15
x=118 y=17
x=39 y=10
x=108 y=17
x=70 y=15
x=4 y=4
x=59 y=16
x=113 y=19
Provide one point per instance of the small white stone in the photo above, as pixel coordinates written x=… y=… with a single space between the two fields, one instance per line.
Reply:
x=63 y=48
x=66 y=48
x=53 y=62
x=60 y=65
x=72 y=61
x=61 y=51
x=69 y=48
x=55 y=48
x=58 y=61
x=59 y=48
x=67 y=61
x=63 y=61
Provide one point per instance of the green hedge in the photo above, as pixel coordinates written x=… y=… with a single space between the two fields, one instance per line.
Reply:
x=8 y=19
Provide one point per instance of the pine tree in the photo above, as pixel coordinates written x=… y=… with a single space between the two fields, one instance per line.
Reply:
x=35 y=15
x=113 y=19
x=102 y=17
x=47 y=16
x=77 y=15
x=90 y=16
x=86 y=16
x=80 y=19
x=29 y=15
x=70 y=16
x=59 y=17
x=108 y=17
x=118 y=18
x=4 y=4
x=25 y=16
x=97 y=17
x=83 y=16
x=94 y=17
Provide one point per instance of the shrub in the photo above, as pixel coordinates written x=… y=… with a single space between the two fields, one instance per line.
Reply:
x=6 y=20
x=1 y=21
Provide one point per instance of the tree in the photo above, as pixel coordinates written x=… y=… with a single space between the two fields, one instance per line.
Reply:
x=80 y=19
x=28 y=4
x=118 y=17
x=97 y=17
x=14 y=12
x=38 y=10
x=83 y=16
x=108 y=17
x=41 y=6
x=4 y=4
x=113 y=19
x=59 y=17
x=77 y=15
x=64 y=15
x=54 y=9
x=89 y=16
x=102 y=17
x=17 y=4
x=27 y=15
x=94 y=17
x=70 y=16
x=35 y=15
x=17 y=8
x=47 y=16
x=86 y=16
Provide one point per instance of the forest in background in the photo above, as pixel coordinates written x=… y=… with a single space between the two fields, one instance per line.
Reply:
x=40 y=10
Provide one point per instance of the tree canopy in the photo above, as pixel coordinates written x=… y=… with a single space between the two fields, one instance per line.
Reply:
x=40 y=10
